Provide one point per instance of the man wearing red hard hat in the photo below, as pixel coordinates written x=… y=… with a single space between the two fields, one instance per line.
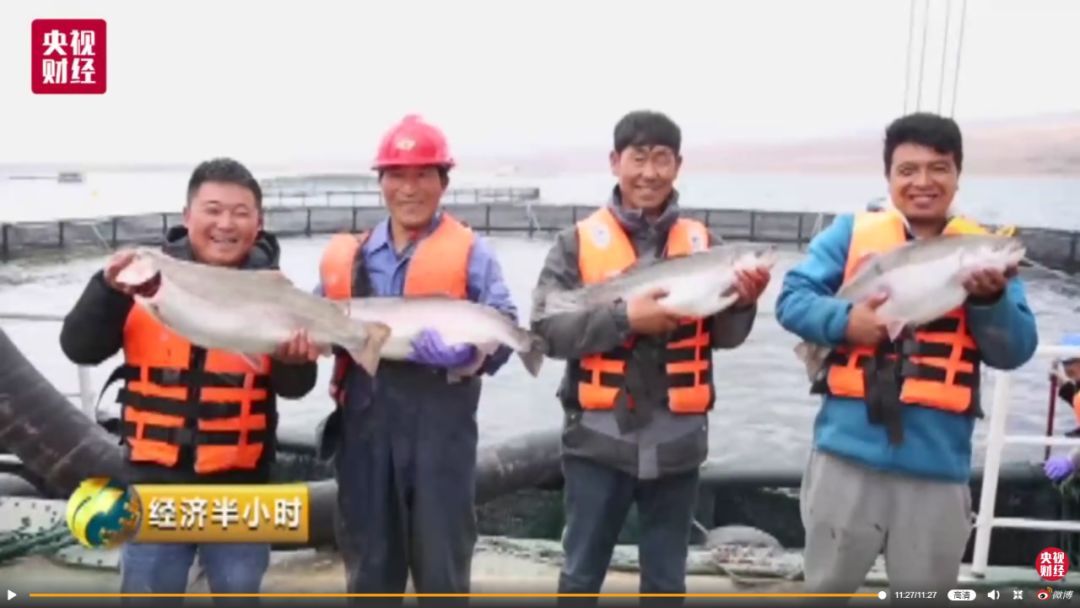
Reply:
x=405 y=441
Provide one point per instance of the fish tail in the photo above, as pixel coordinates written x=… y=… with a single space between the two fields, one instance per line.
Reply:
x=533 y=357
x=769 y=256
x=813 y=356
x=369 y=351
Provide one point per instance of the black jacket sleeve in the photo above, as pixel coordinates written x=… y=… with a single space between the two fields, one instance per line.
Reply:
x=293 y=381
x=94 y=329
x=573 y=335
x=1067 y=391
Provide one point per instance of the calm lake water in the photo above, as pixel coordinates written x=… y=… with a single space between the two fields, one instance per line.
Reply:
x=763 y=416
x=1025 y=201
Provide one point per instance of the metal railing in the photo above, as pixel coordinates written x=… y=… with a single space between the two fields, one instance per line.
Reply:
x=996 y=440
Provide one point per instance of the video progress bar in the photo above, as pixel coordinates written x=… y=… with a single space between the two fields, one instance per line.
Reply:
x=880 y=595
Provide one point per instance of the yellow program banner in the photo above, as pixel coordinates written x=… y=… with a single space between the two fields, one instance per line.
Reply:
x=222 y=513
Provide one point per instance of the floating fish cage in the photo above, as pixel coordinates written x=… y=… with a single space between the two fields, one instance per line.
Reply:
x=488 y=211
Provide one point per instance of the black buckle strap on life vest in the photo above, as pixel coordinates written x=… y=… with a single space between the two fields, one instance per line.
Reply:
x=841 y=358
x=188 y=437
x=622 y=352
x=186 y=377
x=172 y=377
x=608 y=379
x=971 y=380
x=683 y=331
x=944 y=325
x=820 y=385
x=690 y=379
x=932 y=373
x=683 y=354
x=181 y=408
x=881 y=377
x=913 y=348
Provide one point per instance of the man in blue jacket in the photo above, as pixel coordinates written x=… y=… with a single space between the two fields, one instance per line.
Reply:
x=898 y=485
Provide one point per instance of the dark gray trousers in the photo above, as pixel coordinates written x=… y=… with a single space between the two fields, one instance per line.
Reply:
x=597 y=500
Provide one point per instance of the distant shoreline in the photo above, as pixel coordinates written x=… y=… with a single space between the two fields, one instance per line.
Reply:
x=1047 y=146
x=540 y=172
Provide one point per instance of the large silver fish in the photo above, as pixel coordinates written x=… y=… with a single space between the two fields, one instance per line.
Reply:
x=923 y=280
x=698 y=285
x=248 y=312
x=456 y=321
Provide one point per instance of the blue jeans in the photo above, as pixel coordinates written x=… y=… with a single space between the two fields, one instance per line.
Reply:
x=597 y=501
x=164 y=568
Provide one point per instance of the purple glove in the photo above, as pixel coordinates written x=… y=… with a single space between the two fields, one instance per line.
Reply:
x=1058 y=467
x=429 y=349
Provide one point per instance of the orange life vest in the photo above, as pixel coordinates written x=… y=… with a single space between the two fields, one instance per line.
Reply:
x=941 y=363
x=1069 y=392
x=220 y=408
x=438 y=266
x=605 y=250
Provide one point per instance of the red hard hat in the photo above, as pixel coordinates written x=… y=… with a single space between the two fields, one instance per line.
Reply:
x=413 y=143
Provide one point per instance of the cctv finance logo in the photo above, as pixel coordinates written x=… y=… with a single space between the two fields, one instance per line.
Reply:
x=67 y=56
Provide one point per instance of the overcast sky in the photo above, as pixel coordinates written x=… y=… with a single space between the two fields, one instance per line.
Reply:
x=310 y=80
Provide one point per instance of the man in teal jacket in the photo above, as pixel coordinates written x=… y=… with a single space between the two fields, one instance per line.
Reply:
x=864 y=493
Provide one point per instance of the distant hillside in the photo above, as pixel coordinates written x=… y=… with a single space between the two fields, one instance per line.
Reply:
x=1030 y=146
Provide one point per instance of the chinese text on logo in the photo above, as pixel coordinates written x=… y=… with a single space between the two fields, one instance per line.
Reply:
x=212 y=513
x=67 y=56
x=1052 y=564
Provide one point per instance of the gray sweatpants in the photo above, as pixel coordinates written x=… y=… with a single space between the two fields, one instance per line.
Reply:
x=852 y=513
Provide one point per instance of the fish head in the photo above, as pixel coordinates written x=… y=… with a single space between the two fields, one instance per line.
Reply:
x=142 y=274
x=767 y=257
x=1012 y=251
x=994 y=252
x=757 y=258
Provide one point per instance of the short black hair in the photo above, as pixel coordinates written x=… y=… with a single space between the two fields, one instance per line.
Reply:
x=925 y=129
x=224 y=170
x=647 y=128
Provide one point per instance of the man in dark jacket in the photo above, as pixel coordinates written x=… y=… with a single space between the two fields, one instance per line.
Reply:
x=643 y=442
x=169 y=382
